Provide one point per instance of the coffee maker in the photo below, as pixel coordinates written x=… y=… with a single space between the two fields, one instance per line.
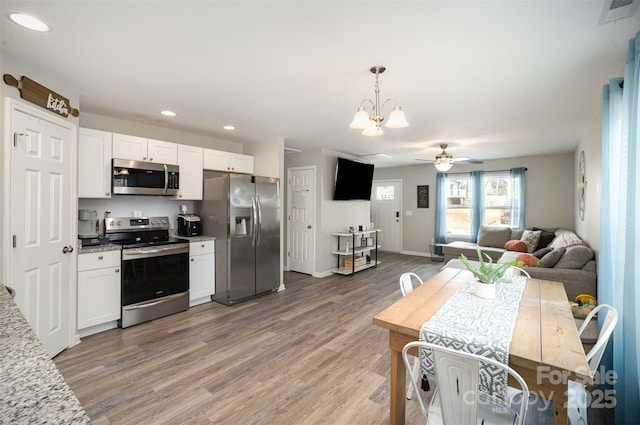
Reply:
x=189 y=225
x=88 y=227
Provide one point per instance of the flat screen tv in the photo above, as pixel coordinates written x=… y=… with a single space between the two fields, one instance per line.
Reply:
x=353 y=180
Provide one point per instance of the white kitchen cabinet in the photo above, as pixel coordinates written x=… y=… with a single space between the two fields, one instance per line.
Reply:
x=227 y=161
x=141 y=149
x=202 y=271
x=239 y=163
x=98 y=290
x=190 y=162
x=162 y=152
x=94 y=163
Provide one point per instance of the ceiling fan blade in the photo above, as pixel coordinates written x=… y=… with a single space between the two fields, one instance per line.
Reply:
x=424 y=160
x=467 y=161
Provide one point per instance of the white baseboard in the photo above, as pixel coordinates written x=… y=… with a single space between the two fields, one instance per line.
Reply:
x=417 y=253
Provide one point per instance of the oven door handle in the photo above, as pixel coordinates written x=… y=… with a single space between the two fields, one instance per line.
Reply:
x=152 y=303
x=135 y=253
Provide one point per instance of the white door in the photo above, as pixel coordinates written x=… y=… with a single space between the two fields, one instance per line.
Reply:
x=301 y=195
x=40 y=223
x=386 y=213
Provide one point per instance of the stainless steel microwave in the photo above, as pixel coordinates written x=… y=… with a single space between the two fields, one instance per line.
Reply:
x=144 y=178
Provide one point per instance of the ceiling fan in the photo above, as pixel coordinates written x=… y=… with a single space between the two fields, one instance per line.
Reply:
x=444 y=160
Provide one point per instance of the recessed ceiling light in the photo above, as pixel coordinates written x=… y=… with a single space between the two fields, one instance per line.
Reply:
x=229 y=127
x=168 y=113
x=29 y=22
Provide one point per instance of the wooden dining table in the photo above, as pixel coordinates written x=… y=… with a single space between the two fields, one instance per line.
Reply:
x=545 y=347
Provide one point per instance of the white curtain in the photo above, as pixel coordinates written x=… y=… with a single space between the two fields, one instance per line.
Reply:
x=619 y=251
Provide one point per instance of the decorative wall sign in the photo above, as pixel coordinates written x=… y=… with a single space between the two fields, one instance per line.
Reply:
x=41 y=96
x=423 y=196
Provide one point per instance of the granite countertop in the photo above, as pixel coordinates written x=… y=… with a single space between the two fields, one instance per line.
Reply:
x=196 y=238
x=100 y=248
x=32 y=390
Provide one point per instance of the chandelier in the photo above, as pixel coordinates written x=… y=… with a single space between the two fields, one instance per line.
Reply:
x=370 y=123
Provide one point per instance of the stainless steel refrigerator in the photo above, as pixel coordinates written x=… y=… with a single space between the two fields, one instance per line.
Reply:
x=243 y=213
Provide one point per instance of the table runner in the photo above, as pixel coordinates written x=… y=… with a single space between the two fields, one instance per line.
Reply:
x=479 y=326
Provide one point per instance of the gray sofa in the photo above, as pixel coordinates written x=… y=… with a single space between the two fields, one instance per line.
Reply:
x=576 y=267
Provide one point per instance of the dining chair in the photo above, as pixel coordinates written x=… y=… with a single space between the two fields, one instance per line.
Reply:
x=457 y=399
x=407 y=281
x=577 y=393
x=521 y=270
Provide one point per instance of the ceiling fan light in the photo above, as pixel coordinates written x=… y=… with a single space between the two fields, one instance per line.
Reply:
x=361 y=119
x=443 y=166
x=397 y=118
x=372 y=130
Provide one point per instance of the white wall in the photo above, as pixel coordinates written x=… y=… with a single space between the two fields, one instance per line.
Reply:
x=331 y=216
x=591 y=144
x=550 y=190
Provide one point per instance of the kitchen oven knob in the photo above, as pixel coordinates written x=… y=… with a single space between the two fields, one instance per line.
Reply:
x=117 y=270
x=118 y=223
x=164 y=221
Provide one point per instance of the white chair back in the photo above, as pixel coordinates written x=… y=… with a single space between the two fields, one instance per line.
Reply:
x=457 y=376
x=407 y=282
x=521 y=270
x=609 y=323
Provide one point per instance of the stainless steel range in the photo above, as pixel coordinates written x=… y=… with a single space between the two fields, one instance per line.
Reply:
x=155 y=268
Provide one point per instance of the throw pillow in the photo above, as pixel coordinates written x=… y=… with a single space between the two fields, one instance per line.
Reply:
x=545 y=238
x=542 y=252
x=493 y=236
x=515 y=245
x=565 y=238
x=551 y=258
x=531 y=238
x=528 y=260
x=575 y=257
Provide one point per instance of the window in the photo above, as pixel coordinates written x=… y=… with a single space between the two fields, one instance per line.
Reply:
x=385 y=193
x=497 y=202
x=458 y=194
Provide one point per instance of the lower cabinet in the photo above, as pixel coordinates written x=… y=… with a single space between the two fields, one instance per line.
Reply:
x=202 y=271
x=98 y=291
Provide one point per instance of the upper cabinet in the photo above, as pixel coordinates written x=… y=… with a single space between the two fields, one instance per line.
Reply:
x=227 y=161
x=94 y=164
x=190 y=162
x=141 y=149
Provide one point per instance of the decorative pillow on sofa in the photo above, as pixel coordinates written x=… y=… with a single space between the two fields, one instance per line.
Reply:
x=528 y=260
x=575 y=257
x=493 y=236
x=542 y=252
x=551 y=258
x=545 y=238
x=531 y=238
x=515 y=245
x=565 y=238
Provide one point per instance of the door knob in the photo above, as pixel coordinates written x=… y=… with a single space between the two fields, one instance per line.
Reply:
x=309 y=226
x=67 y=249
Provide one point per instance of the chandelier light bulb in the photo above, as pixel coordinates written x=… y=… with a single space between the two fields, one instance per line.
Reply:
x=360 y=119
x=397 y=118
x=372 y=130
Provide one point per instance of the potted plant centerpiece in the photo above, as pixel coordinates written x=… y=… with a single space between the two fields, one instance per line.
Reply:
x=487 y=273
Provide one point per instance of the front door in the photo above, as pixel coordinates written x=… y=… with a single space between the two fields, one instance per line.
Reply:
x=40 y=223
x=386 y=213
x=301 y=206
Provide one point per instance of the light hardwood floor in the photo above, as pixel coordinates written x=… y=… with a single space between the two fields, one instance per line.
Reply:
x=307 y=355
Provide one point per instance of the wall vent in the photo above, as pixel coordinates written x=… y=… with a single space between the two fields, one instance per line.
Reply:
x=614 y=10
